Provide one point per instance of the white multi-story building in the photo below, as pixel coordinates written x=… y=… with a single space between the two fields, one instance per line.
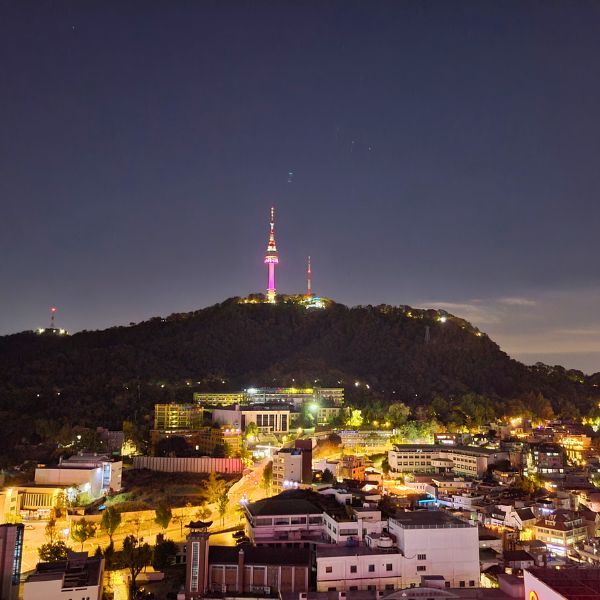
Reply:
x=291 y=467
x=344 y=568
x=78 y=577
x=437 y=458
x=428 y=540
x=268 y=419
x=90 y=473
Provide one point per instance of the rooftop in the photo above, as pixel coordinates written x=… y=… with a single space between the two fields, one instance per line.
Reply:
x=427 y=519
x=327 y=551
x=573 y=584
x=75 y=572
x=259 y=555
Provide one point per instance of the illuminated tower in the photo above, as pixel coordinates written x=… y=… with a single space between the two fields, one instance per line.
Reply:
x=308 y=283
x=271 y=259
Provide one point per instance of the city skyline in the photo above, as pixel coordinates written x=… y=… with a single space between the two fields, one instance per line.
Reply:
x=422 y=154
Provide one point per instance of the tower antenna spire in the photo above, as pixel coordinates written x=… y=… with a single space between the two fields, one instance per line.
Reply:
x=308 y=280
x=271 y=258
x=52 y=313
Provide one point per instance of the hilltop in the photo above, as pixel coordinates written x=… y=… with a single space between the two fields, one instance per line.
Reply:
x=102 y=377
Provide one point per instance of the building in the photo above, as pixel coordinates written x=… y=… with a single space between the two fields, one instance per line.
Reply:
x=268 y=419
x=429 y=539
x=561 y=530
x=77 y=577
x=205 y=440
x=11 y=553
x=344 y=568
x=325 y=398
x=351 y=467
x=547 y=460
x=168 y=417
x=293 y=518
x=563 y=584
x=291 y=466
x=431 y=458
x=93 y=474
x=326 y=413
x=247 y=570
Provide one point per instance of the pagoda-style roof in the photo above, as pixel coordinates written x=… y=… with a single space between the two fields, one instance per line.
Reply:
x=199 y=524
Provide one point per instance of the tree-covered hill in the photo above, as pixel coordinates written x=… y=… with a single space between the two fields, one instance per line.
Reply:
x=402 y=354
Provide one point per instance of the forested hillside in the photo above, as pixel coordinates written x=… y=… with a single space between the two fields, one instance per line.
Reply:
x=103 y=377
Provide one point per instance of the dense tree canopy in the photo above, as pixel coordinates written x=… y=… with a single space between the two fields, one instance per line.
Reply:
x=380 y=354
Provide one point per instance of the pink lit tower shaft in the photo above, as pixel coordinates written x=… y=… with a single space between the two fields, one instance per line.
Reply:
x=271 y=259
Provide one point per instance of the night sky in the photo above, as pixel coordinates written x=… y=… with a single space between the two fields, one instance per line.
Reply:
x=424 y=153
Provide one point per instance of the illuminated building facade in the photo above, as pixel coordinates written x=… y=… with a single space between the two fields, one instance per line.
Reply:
x=177 y=416
x=271 y=258
x=328 y=397
x=11 y=552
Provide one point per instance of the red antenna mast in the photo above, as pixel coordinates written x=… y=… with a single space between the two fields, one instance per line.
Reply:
x=308 y=282
x=52 y=313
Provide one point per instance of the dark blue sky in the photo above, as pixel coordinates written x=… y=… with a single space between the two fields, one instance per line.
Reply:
x=443 y=153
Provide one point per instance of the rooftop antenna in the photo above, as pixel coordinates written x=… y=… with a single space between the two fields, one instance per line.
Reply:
x=52 y=313
x=308 y=282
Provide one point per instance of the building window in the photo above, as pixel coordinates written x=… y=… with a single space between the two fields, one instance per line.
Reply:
x=421 y=556
x=471 y=583
x=371 y=568
x=421 y=568
x=328 y=569
x=331 y=589
x=371 y=588
x=389 y=586
x=461 y=584
x=353 y=588
x=388 y=567
x=352 y=568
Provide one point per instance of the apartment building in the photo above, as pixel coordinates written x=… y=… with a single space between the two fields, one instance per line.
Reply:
x=291 y=466
x=11 y=553
x=561 y=530
x=431 y=458
x=429 y=540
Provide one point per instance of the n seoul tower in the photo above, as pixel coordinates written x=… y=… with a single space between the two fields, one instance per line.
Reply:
x=271 y=258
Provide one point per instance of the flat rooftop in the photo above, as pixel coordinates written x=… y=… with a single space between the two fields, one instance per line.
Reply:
x=428 y=519
x=474 y=450
x=327 y=551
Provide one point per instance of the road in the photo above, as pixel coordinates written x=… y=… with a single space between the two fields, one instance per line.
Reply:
x=141 y=523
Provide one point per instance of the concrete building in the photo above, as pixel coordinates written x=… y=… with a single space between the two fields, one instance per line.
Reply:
x=206 y=439
x=546 y=460
x=268 y=419
x=11 y=553
x=248 y=570
x=291 y=466
x=94 y=474
x=172 y=416
x=429 y=539
x=561 y=531
x=343 y=568
x=566 y=584
x=77 y=577
x=432 y=458
x=351 y=467
x=293 y=396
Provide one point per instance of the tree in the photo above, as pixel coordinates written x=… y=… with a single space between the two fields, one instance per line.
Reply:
x=214 y=487
x=162 y=553
x=251 y=433
x=111 y=519
x=82 y=530
x=172 y=446
x=267 y=477
x=327 y=477
x=136 y=555
x=222 y=504
x=50 y=530
x=398 y=413
x=164 y=514
x=203 y=513
x=179 y=519
x=53 y=552
x=354 y=418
